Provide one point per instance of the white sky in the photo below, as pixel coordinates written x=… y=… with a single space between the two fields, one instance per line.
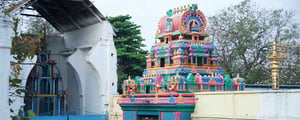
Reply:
x=147 y=12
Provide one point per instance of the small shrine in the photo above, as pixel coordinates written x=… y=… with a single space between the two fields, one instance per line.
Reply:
x=45 y=96
x=182 y=61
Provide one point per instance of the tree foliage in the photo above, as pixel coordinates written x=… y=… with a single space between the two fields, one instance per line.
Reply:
x=243 y=34
x=128 y=42
x=22 y=47
x=6 y=4
x=38 y=25
x=290 y=69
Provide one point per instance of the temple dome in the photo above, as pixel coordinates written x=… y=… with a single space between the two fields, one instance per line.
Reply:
x=176 y=23
x=184 y=20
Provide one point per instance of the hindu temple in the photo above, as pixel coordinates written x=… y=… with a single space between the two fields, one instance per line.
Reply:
x=181 y=62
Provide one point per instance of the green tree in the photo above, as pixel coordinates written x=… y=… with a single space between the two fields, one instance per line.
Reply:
x=289 y=71
x=243 y=34
x=128 y=42
x=38 y=25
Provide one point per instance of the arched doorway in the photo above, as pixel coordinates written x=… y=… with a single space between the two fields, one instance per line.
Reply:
x=45 y=95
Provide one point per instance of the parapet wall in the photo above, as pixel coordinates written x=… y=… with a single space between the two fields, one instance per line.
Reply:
x=282 y=104
x=267 y=105
x=115 y=112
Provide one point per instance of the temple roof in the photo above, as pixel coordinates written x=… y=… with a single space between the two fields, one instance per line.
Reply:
x=68 y=15
x=64 y=15
x=180 y=21
x=176 y=23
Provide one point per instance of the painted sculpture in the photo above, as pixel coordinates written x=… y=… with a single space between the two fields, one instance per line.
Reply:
x=182 y=61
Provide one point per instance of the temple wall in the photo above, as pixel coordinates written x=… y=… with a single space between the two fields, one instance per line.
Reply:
x=6 y=32
x=86 y=59
x=69 y=82
x=115 y=112
x=269 y=105
x=89 y=72
x=94 y=64
x=282 y=104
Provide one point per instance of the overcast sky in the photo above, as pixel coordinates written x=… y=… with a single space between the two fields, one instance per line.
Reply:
x=147 y=12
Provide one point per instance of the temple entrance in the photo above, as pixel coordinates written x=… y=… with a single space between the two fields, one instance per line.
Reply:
x=147 y=117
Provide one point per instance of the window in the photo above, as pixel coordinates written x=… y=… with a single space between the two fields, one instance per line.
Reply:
x=162 y=62
x=175 y=38
x=195 y=37
x=171 y=60
x=205 y=60
x=194 y=60
x=199 y=61
x=187 y=37
x=167 y=40
x=147 y=89
x=161 y=40
x=152 y=63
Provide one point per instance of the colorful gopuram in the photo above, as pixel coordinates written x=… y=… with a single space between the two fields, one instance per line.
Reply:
x=182 y=61
x=44 y=95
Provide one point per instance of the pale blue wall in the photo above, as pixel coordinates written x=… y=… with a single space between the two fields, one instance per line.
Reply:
x=72 y=117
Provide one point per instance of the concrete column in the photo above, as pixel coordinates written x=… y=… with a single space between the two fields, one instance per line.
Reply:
x=6 y=33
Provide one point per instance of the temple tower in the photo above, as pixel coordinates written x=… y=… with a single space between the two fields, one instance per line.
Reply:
x=182 y=61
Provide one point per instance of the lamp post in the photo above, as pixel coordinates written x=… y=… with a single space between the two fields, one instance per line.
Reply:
x=278 y=54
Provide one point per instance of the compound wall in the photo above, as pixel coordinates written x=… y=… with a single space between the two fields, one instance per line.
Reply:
x=268 y=105
x=281 y=104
